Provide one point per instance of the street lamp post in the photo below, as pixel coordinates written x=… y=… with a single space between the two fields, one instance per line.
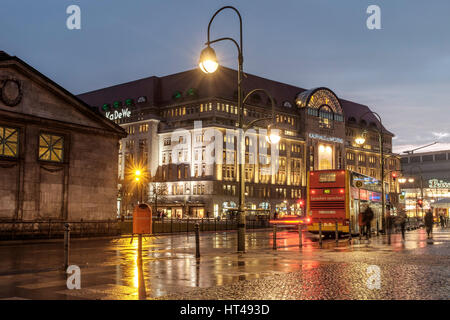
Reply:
x=360 y=141
x=137 y=178
x=421 y=184
x=208 y=64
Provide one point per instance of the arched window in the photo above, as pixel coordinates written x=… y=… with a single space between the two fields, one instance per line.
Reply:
x=326 y=117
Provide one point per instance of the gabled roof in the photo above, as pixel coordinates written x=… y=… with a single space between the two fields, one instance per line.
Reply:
x=84 y=108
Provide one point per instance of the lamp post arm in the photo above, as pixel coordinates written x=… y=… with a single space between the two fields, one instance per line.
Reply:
x=226 y=38
x=240 y=28
x=253 y=122
x=248 y=126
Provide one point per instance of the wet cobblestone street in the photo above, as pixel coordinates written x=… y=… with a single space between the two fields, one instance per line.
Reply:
x=411 y=269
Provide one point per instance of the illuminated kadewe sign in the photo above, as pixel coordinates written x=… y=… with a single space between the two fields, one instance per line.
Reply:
x=325 y=138
x=438 y=184
x=124 y=113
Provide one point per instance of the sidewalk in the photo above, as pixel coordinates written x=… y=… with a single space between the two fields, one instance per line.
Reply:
x=415 y=268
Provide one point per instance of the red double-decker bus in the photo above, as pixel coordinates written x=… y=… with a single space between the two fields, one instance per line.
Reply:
x=340 y=195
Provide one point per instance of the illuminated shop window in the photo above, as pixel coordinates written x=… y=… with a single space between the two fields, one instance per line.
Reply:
x=9 y=142
x=51 y=147
x=325 y=157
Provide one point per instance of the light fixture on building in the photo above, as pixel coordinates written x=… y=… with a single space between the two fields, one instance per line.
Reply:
x=208 y=60
x=401 y=180
x=411 y=180
x=321 y=148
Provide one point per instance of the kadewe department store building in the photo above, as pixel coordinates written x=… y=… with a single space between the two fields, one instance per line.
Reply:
x=318 y=131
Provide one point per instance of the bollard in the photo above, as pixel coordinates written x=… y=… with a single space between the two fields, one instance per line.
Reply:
x=66 y=245
x=320 y=234
x=336 y=232
x=378 y=233
x=300 y=240
x=360 y=229
x=350 y=230
x=197 y=241
x=274 y=237
x=388 y=224
x=141 y=282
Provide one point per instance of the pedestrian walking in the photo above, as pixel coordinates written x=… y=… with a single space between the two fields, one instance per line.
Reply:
x=429 y=223
x=367 y=220
x=442 y=221
x=401 y=221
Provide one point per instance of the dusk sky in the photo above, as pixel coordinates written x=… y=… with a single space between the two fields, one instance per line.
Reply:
x=401 y=71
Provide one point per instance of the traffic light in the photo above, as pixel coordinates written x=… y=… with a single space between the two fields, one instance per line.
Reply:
x=420 y=203
x=394 y=176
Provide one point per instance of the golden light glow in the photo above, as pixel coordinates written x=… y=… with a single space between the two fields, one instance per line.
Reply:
x=273 y=136
x=208 y=60
x=360 y=140
x=136 y=171
x=411 y=180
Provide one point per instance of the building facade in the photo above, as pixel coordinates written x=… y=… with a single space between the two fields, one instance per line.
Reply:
x=426 y=177
x=176 y=124
x=57 y=156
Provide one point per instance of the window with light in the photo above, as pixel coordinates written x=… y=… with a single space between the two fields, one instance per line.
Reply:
x=9 y=142
x=51 y=147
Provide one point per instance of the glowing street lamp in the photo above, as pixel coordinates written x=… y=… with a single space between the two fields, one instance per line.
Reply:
x=401 y=180
x=360 y=140
x=208 y=64
x=273 y=135
x=208 y=60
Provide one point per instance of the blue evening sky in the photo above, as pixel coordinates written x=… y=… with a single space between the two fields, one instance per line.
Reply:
x=401 y=71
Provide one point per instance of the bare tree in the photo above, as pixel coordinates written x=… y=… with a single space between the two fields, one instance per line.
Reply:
x=159 y=191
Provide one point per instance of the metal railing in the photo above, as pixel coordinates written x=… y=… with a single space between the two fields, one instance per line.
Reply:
x=174 y=225
x=49 y=229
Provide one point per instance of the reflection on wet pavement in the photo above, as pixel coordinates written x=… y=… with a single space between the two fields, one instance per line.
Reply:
x=109 y=268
